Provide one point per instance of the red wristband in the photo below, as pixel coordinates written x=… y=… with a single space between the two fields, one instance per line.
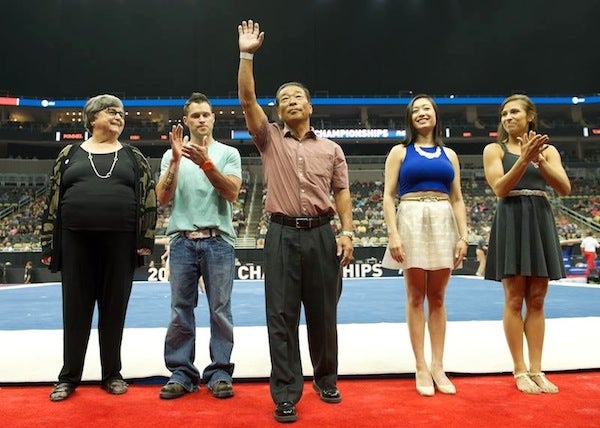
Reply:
x=207 y=166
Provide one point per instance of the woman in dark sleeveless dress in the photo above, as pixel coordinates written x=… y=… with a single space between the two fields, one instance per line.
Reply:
x=524 y=251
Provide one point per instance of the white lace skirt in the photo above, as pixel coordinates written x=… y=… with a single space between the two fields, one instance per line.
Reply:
x=429 y=234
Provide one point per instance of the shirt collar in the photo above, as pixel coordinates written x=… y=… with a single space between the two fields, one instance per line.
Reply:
x=310 y=134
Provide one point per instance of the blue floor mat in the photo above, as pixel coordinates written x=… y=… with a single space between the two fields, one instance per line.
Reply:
x=364 y=300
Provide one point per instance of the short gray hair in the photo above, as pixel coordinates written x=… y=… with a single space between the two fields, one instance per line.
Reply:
x=95 y=105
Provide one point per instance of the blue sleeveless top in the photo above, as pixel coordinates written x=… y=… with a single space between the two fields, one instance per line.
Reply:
x=418 y=173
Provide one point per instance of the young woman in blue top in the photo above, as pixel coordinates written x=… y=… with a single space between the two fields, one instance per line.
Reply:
x=524 y=251
x=428 y=233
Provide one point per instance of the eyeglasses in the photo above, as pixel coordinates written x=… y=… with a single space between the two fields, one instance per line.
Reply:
x=114 y=112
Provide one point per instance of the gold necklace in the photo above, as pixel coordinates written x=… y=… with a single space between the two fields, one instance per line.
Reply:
x=109 y=173
x=435 y=154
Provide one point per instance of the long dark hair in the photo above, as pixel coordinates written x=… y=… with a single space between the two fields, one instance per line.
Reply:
x=411 y=133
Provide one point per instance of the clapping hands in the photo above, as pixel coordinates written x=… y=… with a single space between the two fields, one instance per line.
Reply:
x=177 y=140
x=533 y=146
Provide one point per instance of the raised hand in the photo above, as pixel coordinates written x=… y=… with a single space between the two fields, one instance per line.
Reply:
x=250 y=36
x=178 y=141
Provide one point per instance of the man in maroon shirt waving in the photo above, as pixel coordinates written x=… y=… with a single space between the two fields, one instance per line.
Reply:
x=303 y=258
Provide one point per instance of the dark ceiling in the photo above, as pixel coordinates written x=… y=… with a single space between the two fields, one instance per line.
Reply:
x=78 y=48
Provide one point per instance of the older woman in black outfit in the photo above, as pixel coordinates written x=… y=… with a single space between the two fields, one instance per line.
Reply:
x=97 y=226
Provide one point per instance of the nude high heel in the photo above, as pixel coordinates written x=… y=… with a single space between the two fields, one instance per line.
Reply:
x=445 y=386
x=424 y=390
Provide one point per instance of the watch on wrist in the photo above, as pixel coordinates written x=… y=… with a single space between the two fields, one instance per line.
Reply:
x=347 y=233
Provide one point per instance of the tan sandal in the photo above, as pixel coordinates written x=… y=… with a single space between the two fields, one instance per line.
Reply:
x=544 y=384
x=526 y=384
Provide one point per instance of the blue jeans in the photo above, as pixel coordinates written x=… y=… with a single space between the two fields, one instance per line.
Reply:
x=213 y=259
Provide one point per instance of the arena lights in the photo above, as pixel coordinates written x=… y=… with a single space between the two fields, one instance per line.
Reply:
x=68 y=136
x=333 y=101
x=590 y=131
x=8 y=101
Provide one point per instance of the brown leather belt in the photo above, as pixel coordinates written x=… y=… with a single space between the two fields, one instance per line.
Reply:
x=301 y=222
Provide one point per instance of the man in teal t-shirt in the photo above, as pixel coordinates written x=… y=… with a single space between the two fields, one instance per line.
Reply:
x=202 y=177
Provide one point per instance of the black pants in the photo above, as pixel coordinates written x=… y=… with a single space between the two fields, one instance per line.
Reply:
x=96 y=267
x=301 y=266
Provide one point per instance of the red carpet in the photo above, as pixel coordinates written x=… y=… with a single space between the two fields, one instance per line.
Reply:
x=482 y=401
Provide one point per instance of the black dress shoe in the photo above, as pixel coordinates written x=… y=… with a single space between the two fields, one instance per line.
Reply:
x=329 y=395
x=285 y=412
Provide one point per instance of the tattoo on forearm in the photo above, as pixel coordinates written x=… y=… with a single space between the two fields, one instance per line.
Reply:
x=169 y=179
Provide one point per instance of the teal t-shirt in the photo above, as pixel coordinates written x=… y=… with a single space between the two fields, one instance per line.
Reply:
x=197 y=204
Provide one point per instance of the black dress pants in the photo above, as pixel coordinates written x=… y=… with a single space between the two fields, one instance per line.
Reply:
x=97 y=267
x=301 y=267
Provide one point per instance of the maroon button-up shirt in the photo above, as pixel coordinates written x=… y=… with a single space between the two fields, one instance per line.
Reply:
x=300 y=174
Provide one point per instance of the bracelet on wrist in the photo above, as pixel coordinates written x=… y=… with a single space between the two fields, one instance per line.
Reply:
x=464 y=239
x=207 y=166
x=247 y=55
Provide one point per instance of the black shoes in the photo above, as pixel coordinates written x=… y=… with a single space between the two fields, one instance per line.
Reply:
x=221 y=389
x=285 y=412
x=172 y=390
x=61 y=391
x=115 y=386
x=328 y=395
